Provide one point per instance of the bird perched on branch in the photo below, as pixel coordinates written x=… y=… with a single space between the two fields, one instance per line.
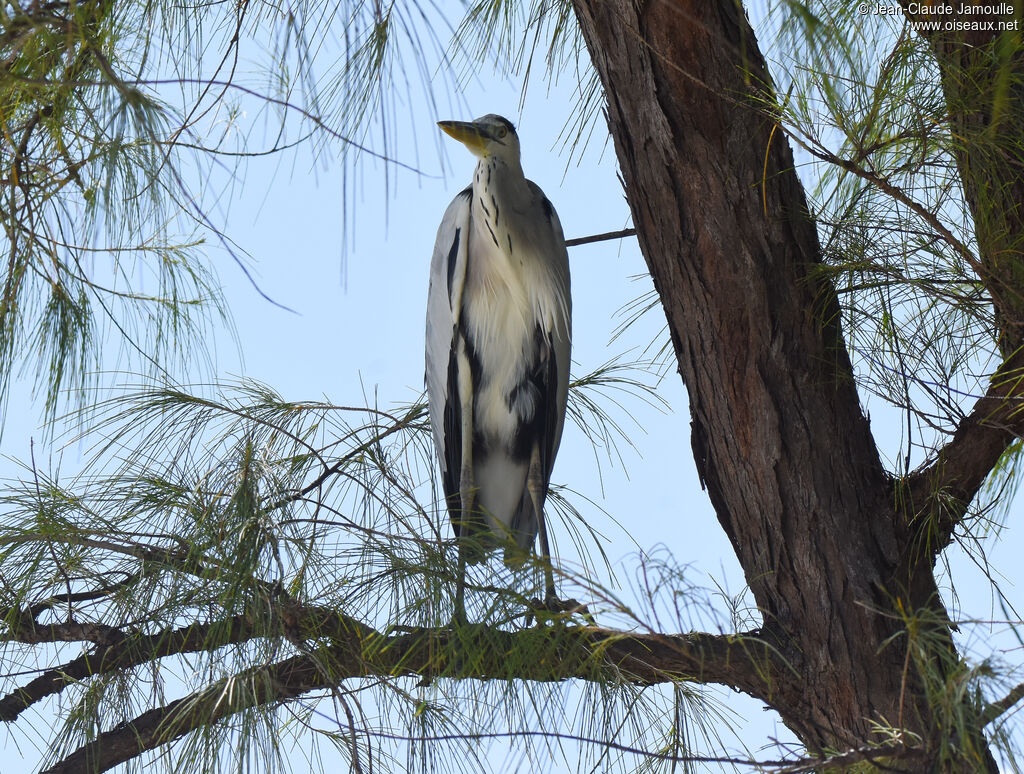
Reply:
x=498 y=340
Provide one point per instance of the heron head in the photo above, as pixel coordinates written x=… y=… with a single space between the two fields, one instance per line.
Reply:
x=490 y=135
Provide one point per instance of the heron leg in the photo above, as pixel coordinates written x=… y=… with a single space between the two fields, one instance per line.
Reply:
x=467 y=483
x=468 y=502
x=459 y=616
x=536 y=486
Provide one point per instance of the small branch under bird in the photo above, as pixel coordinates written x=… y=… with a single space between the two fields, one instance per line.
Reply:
x=499 y=330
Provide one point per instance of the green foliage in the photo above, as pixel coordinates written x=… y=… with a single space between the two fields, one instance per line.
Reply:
x=882 y=146
x=90 y=211
x=230 y=520
x=866 y=105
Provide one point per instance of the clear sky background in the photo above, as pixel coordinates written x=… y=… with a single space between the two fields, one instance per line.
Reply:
x=356 y=334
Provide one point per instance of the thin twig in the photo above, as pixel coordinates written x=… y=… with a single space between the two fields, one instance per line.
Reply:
x=626 y=232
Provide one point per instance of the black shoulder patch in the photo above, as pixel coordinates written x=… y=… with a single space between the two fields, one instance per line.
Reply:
x=452 y=467
x=549 y=209
x=551 y=408
x=538 y=428
x=472 y=524
x=453 y=258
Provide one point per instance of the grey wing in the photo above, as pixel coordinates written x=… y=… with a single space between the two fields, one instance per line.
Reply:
x=444 y=304
x=550 y=371
x=560 y=338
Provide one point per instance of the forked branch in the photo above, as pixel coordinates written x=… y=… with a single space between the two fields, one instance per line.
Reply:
x=942 y=491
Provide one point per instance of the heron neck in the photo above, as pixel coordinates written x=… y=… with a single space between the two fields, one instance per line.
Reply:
x=501 y=175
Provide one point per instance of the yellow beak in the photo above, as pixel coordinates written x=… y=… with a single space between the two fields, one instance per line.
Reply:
x=466 y=132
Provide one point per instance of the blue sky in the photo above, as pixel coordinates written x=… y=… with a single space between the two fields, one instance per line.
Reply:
x=356 y=334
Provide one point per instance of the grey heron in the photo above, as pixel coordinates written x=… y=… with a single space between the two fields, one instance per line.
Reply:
x=497 y=361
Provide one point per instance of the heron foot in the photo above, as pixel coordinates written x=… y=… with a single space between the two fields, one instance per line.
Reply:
x=552 y=608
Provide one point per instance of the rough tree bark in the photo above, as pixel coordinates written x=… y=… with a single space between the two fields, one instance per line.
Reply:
x=831 y=545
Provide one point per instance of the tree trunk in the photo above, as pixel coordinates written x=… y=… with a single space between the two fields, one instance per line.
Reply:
x=780 y=441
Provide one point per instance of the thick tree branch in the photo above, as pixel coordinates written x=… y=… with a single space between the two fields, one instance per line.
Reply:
x=32 y=633
x=344 y=648
x=118 y=649
x=942 y=491
x=555 y=654
x=123 y=652
x=997 y=709
x=743 y=661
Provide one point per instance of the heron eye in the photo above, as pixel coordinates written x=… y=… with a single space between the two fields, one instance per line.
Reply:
x=500 y=132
